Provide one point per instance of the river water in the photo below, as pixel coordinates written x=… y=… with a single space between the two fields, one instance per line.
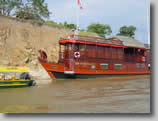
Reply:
x=128 y=94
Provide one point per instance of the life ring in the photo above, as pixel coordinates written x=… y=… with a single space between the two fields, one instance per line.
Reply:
x=77 y=54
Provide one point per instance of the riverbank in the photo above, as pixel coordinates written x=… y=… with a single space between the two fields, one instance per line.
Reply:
x=21 y=40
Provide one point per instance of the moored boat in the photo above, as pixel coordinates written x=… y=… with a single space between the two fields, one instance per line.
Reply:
x=81 y=56
x=8 y=81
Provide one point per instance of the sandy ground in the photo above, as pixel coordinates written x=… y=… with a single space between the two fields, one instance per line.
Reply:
x=40 y=76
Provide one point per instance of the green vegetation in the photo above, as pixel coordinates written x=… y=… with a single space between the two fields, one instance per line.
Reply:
x=25 y=9
x=33 y=9
x=127 y=31
x=101 y=29
x=91 y=34
x=52 y=23
x=7 y=6
x=70 y=26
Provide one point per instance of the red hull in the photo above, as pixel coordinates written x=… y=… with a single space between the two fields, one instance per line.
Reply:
x=58 y=71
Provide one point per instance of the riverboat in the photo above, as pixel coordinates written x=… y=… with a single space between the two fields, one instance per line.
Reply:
x=11 y=77
x=81 y=56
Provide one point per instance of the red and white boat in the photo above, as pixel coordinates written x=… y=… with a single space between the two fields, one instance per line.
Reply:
x=81 y=56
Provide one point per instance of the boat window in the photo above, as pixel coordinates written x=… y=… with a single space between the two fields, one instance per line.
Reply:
x=53 y=66
x=62 y=48
x=118 y=66
x=104 y=66
x=68 y=46
x=140 y=52
x=2 y=76
x=77 y=47
x=129 y=51
x=143 y=52
x=138 y=65
x=143 y=65
x=82 y=47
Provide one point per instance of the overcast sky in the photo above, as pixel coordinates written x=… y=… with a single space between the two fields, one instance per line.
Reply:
x=115 y=13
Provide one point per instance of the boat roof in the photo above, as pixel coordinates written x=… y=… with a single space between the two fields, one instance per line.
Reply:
x=147 y=46
x=114 y=41
x=13 y=69
x=128 y=41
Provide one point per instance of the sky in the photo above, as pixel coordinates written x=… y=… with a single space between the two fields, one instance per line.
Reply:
x=115 y=13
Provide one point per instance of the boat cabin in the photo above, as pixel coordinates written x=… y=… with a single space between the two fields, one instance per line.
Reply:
x=80 y=52
x=109 y=50
x=13 y=73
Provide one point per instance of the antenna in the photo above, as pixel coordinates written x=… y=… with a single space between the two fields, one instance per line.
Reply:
x=148 y=19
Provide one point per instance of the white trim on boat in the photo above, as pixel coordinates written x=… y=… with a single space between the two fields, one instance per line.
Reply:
x=68 y=72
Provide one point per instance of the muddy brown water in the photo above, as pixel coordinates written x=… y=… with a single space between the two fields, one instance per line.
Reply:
x=129 y=94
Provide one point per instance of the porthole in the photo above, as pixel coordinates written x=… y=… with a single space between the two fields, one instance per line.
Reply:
x=93 y=67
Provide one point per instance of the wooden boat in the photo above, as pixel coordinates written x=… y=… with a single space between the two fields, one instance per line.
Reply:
x=23 y=81
x=81 y=56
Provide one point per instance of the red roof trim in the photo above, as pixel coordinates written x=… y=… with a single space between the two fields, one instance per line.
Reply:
x=94 y=43
x=84 y=42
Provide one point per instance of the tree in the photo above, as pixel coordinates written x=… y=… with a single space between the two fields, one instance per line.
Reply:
x=101 y=29
x=127 y=31
x=70 y=26
x=27 y=9
x=82 y=30
x=6 y=6
x=33 y=9
x=27 y=12
x=41 y=8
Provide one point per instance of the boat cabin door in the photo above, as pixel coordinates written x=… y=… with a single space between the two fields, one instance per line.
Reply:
x=69 y=58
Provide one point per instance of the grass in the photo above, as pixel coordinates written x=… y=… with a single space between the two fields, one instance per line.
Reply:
x=50 y=23
x=35 y=22
x=91 y=34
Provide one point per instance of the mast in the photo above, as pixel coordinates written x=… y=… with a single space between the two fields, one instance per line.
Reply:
x=78 y=7
x=77 y=18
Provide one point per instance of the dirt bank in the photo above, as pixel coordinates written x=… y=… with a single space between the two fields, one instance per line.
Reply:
x=21 y=40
